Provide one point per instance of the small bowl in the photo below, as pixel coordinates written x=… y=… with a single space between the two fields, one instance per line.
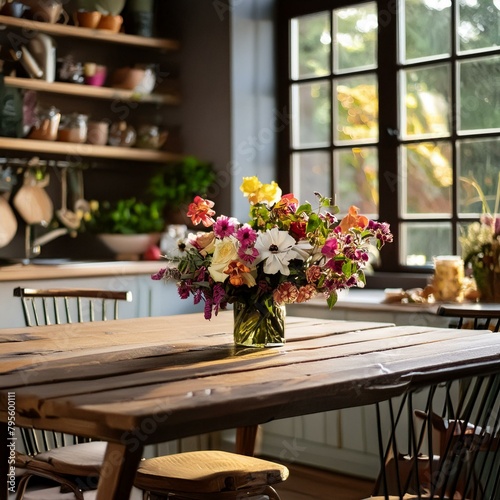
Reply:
x=87 y=19
x=137 y=79
x=129 y=246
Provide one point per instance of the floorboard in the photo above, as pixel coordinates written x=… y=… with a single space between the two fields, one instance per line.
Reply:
x=307 y=483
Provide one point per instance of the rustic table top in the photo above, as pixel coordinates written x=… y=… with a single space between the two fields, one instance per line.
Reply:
x=138 y=381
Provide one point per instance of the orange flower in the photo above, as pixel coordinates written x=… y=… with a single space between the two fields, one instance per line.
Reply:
x=201 y=211
x=352 y=219
x=238 y=273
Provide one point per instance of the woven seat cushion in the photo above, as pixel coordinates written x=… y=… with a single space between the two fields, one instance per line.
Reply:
x=84 y=459
x=207 y=471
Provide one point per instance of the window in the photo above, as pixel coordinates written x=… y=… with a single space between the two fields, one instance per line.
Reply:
x=395 y=107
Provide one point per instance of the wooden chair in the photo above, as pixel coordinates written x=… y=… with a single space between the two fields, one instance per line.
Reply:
x=204 y=474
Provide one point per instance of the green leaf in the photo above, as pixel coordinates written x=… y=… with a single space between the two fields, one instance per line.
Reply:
x=332 y=299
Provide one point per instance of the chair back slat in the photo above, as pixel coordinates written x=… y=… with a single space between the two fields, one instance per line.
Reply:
x=43 y=307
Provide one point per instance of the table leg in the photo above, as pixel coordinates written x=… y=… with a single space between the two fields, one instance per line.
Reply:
x=245 y=439
x=118 y=472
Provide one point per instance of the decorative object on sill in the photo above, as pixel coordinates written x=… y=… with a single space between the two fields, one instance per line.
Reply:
x=481 y=246
x=448 y=280
x=286 y=253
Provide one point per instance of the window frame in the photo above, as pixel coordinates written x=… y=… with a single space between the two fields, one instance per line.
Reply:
x=390 y=140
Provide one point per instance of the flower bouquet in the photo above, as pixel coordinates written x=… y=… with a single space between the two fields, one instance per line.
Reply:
x=286 y=253
x=481 y=247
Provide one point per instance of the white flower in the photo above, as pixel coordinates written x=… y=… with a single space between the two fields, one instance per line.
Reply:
x=276 y=249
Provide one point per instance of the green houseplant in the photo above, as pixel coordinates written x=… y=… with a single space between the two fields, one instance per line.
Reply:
x=168 y=190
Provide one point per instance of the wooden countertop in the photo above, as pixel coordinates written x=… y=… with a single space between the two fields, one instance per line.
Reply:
x=20 y=272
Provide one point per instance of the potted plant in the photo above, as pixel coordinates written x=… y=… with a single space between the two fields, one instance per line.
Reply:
x=130 y=226
x=176 y=185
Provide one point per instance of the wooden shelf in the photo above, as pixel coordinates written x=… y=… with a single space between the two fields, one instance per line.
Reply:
x=94 y=34
x=74 y=151
x=81 y=90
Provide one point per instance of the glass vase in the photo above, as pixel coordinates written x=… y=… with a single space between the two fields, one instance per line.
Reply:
x=259 y=324
x=486 y=271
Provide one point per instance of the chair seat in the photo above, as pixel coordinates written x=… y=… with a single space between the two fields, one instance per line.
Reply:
x=207 y=471
x=84 y=459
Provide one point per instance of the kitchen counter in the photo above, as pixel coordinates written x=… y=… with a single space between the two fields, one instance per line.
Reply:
x=54 y=269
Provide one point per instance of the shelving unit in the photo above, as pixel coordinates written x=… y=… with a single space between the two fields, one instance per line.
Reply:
x=24 y=28
x=87 y=150
x=171 y=99
x=88 y=33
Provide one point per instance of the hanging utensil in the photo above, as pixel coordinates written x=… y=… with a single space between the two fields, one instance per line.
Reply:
x=32 y=201
x=65 y=216
x=8 y=223
x=81 y=205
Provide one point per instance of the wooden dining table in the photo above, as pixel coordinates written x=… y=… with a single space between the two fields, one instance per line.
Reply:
x=141 y=381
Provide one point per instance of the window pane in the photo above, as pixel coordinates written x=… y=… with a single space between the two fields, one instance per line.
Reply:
x=426 y=101
x=311 y=43
x=422 y=241
x=478 y=160
x=427 y=179
x=479 y=94
x=357 y=110
x=311 y=114
x=478 y=24
x=432 y=17
x=311 y=172
x=356 y=179
x=356 y=37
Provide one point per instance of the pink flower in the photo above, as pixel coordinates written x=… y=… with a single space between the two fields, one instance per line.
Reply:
x=225 y=226
x=313 y=274
x=246 y=236
x=330 y=248
x=248 y=254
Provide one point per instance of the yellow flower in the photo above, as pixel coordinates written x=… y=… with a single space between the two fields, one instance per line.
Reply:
x=270 y=193
x=225 y=252
x=250 y=185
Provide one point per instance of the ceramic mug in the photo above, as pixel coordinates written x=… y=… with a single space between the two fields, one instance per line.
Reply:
x=97 y=133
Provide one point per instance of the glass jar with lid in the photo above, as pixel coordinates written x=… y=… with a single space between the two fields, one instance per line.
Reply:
x=73 y=128
x=448 y=278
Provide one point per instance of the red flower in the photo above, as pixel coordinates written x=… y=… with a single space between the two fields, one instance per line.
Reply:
x=298 y=230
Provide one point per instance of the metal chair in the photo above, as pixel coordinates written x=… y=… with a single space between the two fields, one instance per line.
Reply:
x=481 y=316
x=77 y=467
x=57 y=306
x=452 y=446
x=43 y=450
